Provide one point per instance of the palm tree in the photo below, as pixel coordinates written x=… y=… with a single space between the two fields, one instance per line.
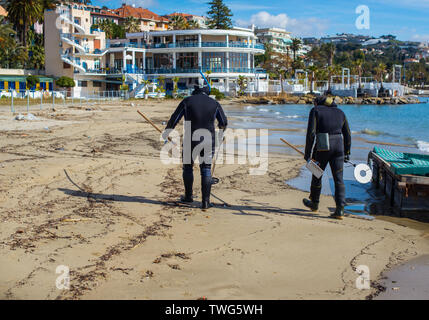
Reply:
x=23 y=14
x=49 y=4
x=175 y=87
x=358 y=63
x=132 y=25
x=295 y=46
x=6 y=32
x=313 y=71
x=322 y=74
x=242 y=84
x=107 y=27
x=13 y=56
x=178 y=23
x=314 y=54
x=380 y=70
x=332 y=70
x=193 y=24
x=329 y=51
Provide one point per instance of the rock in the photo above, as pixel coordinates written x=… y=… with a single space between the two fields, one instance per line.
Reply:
x=19 y=117
x=338 y=100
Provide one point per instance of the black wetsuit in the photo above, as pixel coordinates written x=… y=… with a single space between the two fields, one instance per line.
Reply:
x=331 y=120
x=201 y=111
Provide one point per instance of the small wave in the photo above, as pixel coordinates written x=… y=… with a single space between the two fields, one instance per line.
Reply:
x=423 y=146
x=250 y=108
x=292 y=117
x=264 y=110
x=277 y=113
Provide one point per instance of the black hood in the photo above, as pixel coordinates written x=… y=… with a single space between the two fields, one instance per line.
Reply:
x=325 y=101
x=203 y=90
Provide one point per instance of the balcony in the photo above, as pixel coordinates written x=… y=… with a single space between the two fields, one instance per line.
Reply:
x=73 y=62
x=194 y=44
x=68 y=20
x=69 y=39
x=187 y=70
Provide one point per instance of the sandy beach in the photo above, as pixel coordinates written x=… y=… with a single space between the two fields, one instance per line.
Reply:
x=84 y=187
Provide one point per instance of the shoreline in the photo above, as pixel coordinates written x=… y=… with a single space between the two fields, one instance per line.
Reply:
x=308 y=100
x=115 y=221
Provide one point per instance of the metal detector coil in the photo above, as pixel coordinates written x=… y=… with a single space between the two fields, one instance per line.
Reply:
x=314 y=169
x=311 y=165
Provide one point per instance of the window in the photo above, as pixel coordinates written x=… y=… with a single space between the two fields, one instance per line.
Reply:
x=187 y=60
x=238 y=60
x=163 y=60
x=82 y=84
x=96 y=84
x=213 y=60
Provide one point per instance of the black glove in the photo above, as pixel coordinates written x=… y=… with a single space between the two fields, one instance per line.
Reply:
x=347 y=158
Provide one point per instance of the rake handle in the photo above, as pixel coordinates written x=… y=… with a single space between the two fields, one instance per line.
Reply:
x=292 y=146
x=153 y=125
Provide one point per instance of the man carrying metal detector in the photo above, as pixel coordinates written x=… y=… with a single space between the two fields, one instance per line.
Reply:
x=200 y=112
x=328 y=141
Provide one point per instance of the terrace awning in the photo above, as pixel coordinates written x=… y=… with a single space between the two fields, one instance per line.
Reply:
x=22 y=78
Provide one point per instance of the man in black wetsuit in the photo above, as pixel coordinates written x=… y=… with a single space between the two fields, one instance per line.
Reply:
x=329 y=132
x=200 y=111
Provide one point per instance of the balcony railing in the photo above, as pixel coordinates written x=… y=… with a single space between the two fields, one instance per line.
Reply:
x=75 y=41
x=186 y=70
x=236 y=44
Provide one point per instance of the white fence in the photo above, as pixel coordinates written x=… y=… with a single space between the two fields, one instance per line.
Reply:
x=26 y=100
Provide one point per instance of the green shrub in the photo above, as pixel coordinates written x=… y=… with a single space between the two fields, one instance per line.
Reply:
x=65 y=82
x=32 y=81
x=219 y=95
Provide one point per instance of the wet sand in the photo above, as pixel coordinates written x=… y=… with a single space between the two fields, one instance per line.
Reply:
x=90 y=193
x=409 y=281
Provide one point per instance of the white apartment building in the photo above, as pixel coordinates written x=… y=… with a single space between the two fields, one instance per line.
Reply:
x=224 y=54
x=73 y=48
x=76 y=50
x=279 y=39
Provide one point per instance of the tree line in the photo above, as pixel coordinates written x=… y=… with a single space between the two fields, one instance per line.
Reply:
x=326 y=60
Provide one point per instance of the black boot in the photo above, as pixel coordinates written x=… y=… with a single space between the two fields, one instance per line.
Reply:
x=338 y=214
x=314 y=206
x=186 y=199
x=188 y=180
x=206 y=186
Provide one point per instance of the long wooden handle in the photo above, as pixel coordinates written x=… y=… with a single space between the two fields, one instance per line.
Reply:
x=292 y=146
x=217 y=155
x=150 y=121
x=154 y=125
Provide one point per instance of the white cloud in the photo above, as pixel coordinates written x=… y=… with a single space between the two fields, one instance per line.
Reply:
x=421 y=37
x=298 y=27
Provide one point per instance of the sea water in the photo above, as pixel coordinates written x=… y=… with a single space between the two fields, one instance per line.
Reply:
x=403 y=128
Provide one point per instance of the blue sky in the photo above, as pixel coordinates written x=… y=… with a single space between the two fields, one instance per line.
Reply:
x=407 y=19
